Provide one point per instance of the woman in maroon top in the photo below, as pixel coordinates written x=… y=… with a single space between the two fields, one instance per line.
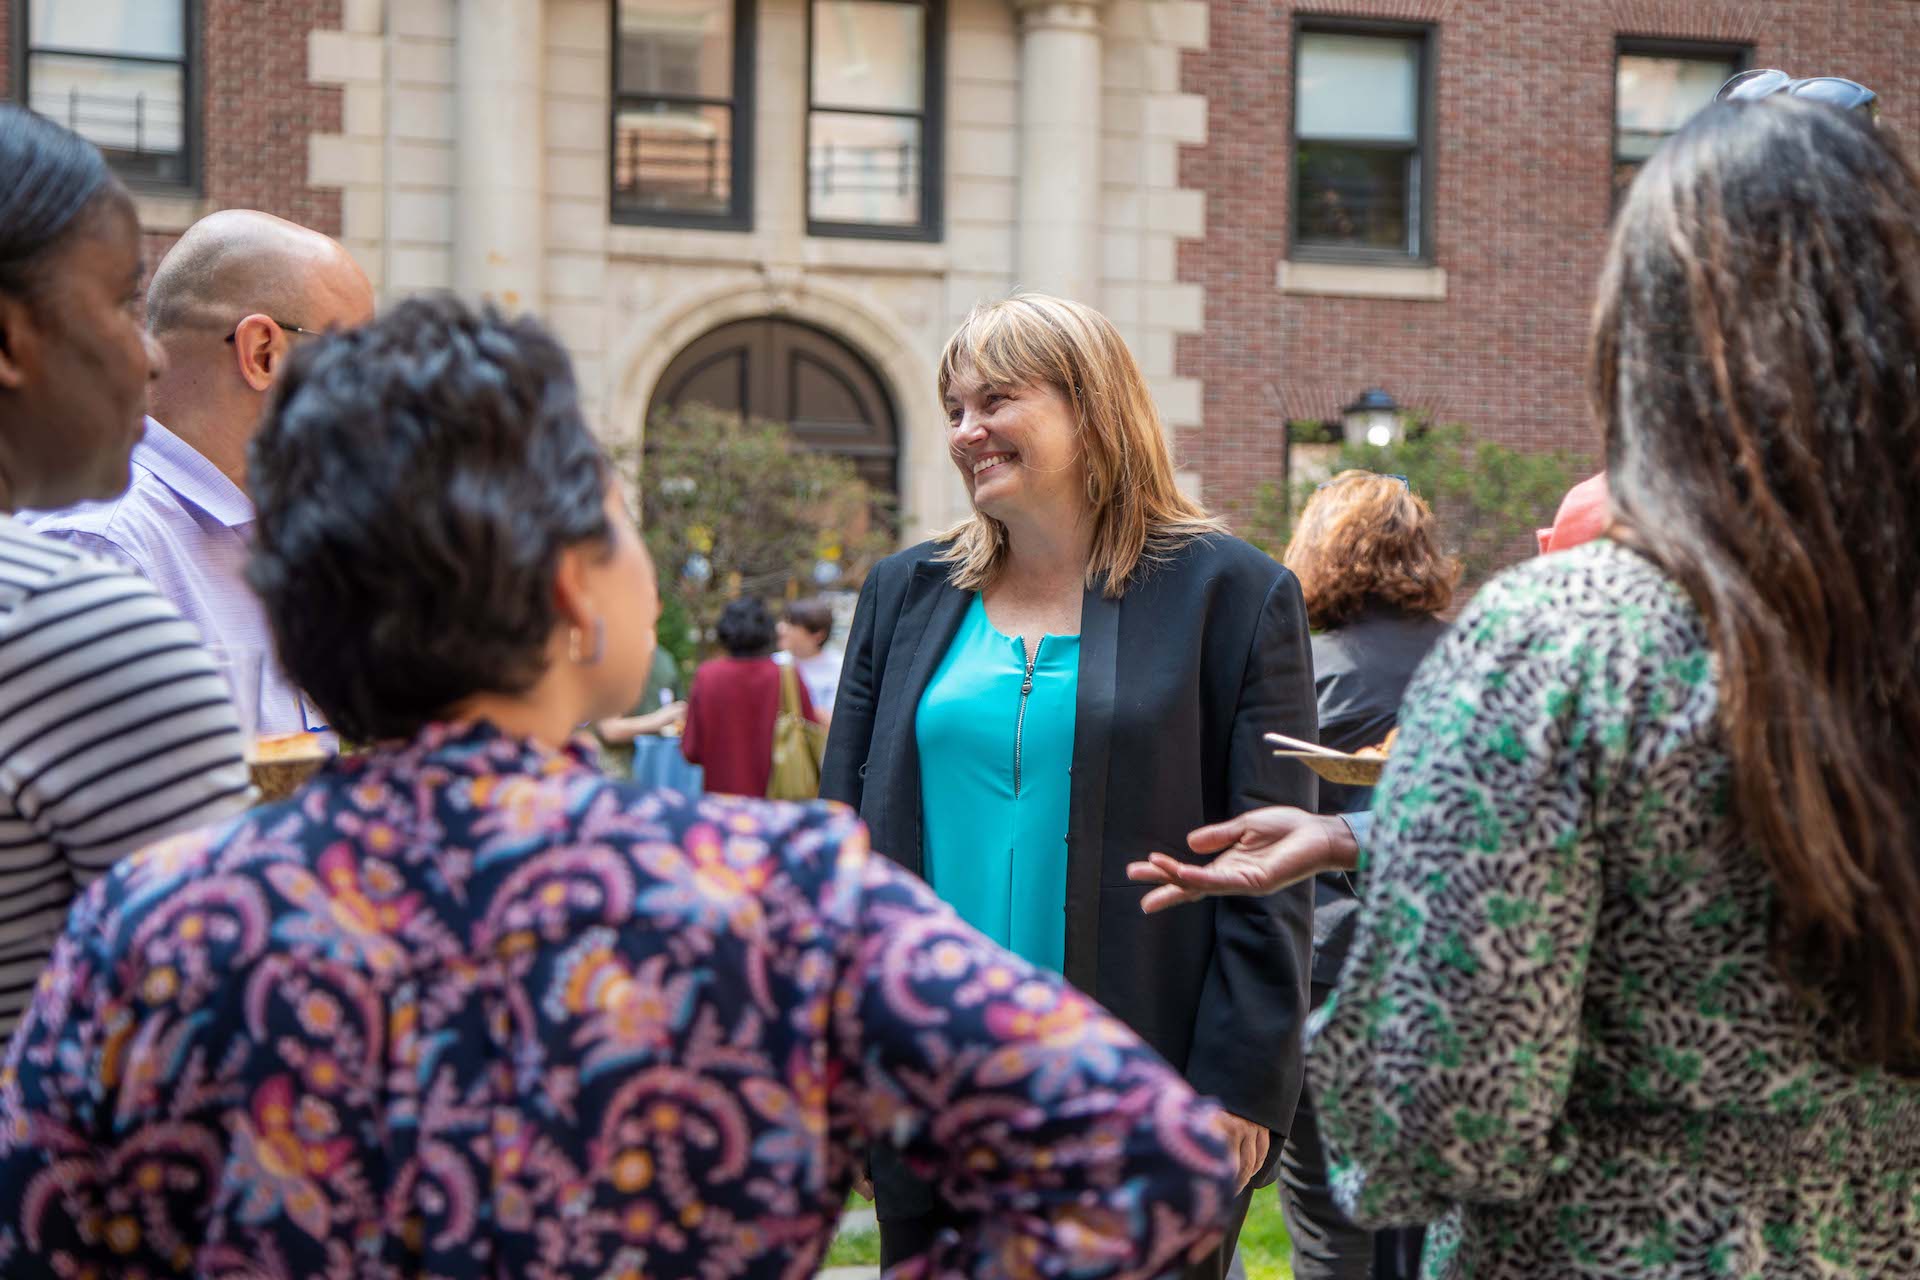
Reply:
x=734 y=702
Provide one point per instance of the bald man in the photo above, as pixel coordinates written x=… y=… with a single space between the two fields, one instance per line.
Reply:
x=227 y=305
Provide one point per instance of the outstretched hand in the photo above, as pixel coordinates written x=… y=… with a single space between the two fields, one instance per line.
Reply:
x=1261 y=852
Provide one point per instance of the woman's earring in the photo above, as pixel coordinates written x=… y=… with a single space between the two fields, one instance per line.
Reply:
x=599 y=644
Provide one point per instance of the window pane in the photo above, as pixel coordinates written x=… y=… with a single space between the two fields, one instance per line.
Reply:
x=1654 y=96
x=147 y=28
x=133 y=111
x=1357 y=197
x=863 y=169
x=1357 y=87
x=673 y=158
x=677 y=46
x=869 y=55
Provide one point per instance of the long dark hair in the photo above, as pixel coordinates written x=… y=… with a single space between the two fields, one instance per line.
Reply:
x=53 y=176
x=1754 y=364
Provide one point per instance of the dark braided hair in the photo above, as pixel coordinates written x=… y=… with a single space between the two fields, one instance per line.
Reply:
x=1754 y=365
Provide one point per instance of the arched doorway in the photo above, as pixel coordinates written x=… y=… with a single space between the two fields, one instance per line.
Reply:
x=824 y=390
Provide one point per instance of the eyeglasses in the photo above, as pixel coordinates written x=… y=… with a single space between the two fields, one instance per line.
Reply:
x=1764 y=82
x=290 y=328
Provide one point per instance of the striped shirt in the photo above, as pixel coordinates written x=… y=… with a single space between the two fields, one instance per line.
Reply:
x=115 y=730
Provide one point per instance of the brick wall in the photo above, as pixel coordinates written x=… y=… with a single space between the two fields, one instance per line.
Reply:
x=1523 y=152
x=257 y=107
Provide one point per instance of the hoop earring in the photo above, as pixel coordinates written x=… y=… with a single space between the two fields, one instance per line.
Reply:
x=599 y=644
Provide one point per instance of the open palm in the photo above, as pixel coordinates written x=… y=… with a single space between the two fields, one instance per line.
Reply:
x=1260 y=852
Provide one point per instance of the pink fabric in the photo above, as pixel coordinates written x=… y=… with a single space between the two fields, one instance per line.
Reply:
x=1582 y=517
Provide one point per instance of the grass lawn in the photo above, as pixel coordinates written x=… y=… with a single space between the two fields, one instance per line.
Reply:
x=1264 y=1247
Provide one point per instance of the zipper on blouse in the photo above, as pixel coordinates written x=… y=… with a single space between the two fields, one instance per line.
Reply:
x=1020 y=726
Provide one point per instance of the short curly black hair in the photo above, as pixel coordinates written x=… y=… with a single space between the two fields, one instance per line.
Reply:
x=745 y=629
x=417 y=480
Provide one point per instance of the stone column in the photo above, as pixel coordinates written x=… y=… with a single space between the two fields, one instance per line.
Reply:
x=1059 y=205
x=499 y=240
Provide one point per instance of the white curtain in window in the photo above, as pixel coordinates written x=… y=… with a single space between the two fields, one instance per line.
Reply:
x=1357 y=87
x=141 y=28
x=1655 y=96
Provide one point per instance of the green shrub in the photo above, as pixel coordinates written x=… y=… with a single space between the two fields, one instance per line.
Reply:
x=736 y=506
x=1489 y=497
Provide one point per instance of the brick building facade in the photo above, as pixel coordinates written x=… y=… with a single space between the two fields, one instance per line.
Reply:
x=255 y=107
x=1490 y=329
x=1139 y=154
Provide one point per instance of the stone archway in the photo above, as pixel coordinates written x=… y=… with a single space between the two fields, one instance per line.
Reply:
x=773 y=367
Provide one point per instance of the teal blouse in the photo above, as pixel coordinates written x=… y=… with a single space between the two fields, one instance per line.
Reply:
x=995 y=789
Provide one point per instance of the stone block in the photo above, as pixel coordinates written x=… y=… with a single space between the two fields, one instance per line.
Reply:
x=363 y=110
x=337 y=161
x=1178 y=399
x=363 y=17
x=422 y=164
x=423 y=62
x=423 y=115
x=579 y=225
x=983 y=102
x=582 y=174
x=578 y=277
x=417 y=267
x=1177 y=117
x=579 y=25
x=1121 y=161
x=433 y=18
x=571 y=74
x=981 y=246
x=363 y=214
x=1120 y=255
x=982 y=153
x=422 y=217
x=981 y=200
x=1122 y=208
x=1157 y=259
x=1181 y=307
x=1180 y=213
x=340 y=57
x=984 y=55
x=1122 y=112
x=1181 y=23
x=576 y=125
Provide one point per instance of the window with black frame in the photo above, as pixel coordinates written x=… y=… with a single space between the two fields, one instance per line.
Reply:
x=872 y=130
x=1656 y=88
x=117 y=72
x=1360 y=143
x=682 y=148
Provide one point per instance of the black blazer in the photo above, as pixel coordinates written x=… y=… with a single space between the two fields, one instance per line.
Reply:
x=1178 y=681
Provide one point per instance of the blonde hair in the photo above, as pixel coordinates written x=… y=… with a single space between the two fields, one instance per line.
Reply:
x=1139 y=513
x=1369 y=538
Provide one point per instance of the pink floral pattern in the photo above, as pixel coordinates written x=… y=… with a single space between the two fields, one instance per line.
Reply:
x=467 y=1008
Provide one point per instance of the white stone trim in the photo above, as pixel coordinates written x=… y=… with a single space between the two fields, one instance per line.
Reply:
x=168 y=214
x=930 y=497
x=1363 y=280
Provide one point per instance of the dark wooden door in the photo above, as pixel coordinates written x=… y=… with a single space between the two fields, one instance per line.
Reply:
x=829 y=397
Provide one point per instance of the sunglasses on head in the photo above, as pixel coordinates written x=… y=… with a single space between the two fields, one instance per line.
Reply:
x=1404 y=482
x=1764 y=82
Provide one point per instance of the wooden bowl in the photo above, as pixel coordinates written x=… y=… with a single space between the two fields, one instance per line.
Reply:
x=1348 y=771
x=281 y=763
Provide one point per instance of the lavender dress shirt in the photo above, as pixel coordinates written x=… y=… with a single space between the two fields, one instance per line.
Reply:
x=184 y=526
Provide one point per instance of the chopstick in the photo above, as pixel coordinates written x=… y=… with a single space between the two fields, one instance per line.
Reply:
x=1298 y=744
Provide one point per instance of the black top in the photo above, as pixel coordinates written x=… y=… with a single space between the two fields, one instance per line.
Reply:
x=1178 y=681
x=1360 y=673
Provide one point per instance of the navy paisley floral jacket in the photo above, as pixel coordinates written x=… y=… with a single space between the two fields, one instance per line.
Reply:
x=467 y=1008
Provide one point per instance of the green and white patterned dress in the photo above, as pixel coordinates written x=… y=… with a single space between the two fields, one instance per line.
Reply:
x=1558 y=1034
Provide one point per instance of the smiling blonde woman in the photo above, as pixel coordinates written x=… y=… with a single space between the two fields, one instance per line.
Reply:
x=1080 y=672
